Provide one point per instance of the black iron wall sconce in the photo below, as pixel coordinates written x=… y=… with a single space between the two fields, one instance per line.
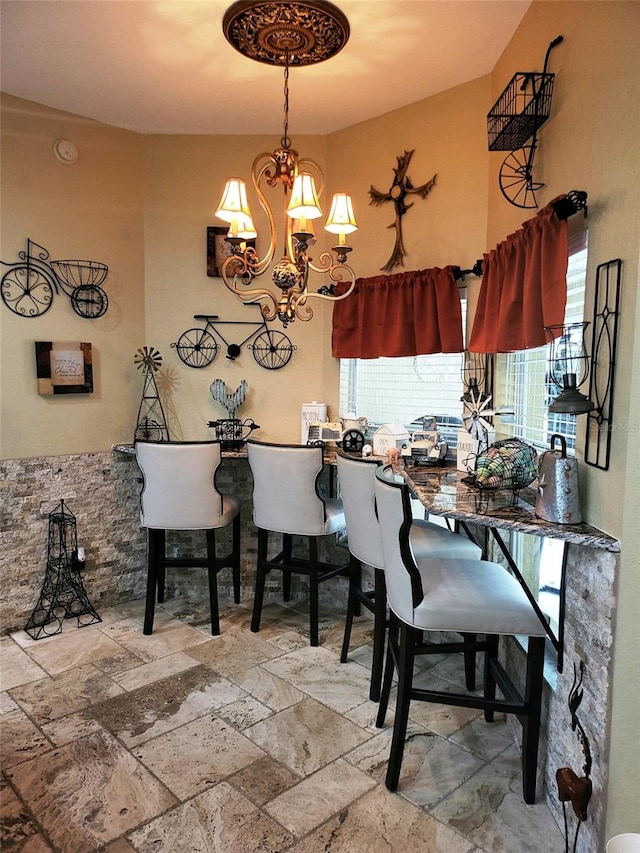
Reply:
x=570 y=365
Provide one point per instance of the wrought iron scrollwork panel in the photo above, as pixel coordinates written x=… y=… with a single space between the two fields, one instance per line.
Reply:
x=606 y=311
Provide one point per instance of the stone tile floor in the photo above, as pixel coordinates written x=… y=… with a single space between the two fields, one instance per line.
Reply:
x=117 y=742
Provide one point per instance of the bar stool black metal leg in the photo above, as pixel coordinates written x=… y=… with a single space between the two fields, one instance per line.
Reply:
x=470 y=663
x=152 y=580
x=387 y=681
x=313 y=592
x=531 y=722
x=405 y=681
x=287 y=550
x=379 y=633
x=261 y=574
x=160 y=556
x=491 y=655
x=213 y=582
x=356 y=576
x=354 y=581
x=236 y=558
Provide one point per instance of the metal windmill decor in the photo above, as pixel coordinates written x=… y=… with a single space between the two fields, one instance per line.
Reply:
x=476 y=409
x=63 y=595
x=231 y=431
x=397 y=193
x=151 y=424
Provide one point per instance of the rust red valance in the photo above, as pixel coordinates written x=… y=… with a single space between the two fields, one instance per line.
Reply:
x=524 y=286
x=408 y=313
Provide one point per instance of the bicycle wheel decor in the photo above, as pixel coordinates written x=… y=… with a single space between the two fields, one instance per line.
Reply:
x=516 y=178
x=28 y=287
x=89 y=301
x=196 y=348
x=272 y=349
x=26 y=291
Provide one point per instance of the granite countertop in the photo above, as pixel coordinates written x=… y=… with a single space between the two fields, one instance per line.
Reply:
x=441 y=490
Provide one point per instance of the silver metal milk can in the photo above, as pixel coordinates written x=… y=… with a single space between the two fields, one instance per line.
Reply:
x=558 y=497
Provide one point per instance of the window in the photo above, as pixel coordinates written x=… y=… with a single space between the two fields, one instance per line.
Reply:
x=526 y=386
x=402 y=390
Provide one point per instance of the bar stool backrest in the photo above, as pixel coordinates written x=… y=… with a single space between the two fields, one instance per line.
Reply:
x=404 y=587
x=285 y=488
x=357 y=477
x=179 y=490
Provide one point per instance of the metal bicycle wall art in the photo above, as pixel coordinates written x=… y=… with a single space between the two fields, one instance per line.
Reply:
x=28 y=286
x=198 y=347
x=516 y=117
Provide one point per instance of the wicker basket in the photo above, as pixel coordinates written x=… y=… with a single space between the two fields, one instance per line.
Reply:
x=232 y=432
x=521 y=109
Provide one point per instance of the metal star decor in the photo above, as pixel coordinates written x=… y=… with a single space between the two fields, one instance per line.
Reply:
x=397 y=193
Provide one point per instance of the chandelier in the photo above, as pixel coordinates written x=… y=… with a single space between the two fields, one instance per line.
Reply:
x=285 y=33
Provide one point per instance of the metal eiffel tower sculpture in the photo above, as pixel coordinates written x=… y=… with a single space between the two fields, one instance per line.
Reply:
x=151 y=424
x=63 y=595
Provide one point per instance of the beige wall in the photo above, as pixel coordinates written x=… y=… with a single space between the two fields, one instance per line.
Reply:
x=91 y=210
x=447 y=134
x=142 y=206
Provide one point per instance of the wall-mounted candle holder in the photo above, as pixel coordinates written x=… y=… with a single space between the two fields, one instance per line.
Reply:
x=569 y=368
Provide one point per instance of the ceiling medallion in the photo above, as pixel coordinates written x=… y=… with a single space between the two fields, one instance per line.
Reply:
x=277 y=32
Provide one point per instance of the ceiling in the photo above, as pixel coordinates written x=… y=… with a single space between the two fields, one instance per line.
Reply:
x=164 y=66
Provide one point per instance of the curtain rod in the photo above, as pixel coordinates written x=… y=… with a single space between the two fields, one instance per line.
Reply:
x=564 y=207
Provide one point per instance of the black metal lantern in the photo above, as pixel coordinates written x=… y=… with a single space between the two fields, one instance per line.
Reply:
x=473 y=374
x=569 y=368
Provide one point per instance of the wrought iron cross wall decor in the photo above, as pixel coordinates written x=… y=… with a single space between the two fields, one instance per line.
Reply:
x=397 y=193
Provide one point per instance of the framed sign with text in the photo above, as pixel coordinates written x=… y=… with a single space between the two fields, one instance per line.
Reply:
x=64 y=367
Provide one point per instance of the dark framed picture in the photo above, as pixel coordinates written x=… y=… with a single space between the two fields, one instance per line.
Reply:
x=218 y=249
x=64 y=367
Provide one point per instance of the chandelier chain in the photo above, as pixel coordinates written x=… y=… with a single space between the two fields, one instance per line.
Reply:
x=286 y=142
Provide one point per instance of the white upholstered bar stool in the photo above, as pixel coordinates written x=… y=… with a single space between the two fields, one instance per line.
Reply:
x=179 y=493
x=357 y=478
x=465 y=596
x=286 y=500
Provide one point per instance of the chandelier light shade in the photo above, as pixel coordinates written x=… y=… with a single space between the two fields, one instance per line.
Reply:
x=341 y=220
x=233 y=204
x=304 y=202
x=569 y=368
x=285 y=33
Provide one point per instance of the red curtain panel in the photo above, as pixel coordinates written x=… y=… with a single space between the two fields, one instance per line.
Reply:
x=524 y=287
x=408 y=313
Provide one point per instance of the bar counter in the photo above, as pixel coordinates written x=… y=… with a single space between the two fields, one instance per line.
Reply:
x=442 y=491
